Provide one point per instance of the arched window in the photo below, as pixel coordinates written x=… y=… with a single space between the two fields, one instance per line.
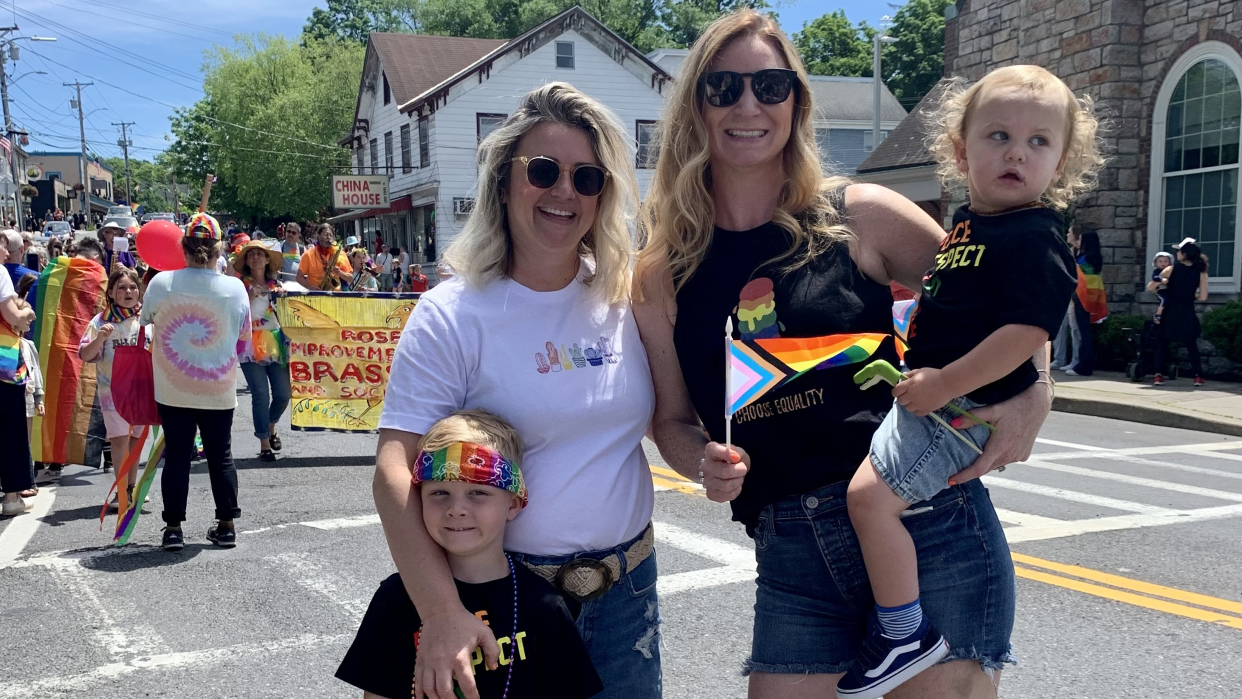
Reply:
x=1195 y=137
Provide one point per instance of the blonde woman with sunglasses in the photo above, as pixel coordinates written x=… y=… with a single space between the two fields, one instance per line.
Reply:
x=741 y=222
x=535 y=326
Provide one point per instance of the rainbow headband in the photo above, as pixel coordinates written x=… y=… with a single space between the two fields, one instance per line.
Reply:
x=470 y=463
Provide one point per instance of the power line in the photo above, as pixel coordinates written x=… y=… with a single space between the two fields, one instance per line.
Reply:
x=204 y=116
x=89 y=41
x=130 y=11
x=133 y=22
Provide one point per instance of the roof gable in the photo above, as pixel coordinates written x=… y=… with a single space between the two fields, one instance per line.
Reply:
x=414 y=63
x=906 y=145
x=574 y=18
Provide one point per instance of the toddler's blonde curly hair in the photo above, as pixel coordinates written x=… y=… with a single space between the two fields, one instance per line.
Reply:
x=947 y=123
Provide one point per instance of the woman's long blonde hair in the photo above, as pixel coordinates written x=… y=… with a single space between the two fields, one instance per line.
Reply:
x=678 y=215
x=483 y=251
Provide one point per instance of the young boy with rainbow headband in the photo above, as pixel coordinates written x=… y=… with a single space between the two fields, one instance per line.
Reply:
x=471 y=484
x=1026 y=146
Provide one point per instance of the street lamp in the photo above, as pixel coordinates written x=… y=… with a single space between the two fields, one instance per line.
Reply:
x=14 y=54
x=881 y=37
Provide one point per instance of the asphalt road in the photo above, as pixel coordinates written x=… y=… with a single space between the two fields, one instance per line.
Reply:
x=1127 y=537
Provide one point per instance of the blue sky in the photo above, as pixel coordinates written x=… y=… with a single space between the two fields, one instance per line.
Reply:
x=145 y=57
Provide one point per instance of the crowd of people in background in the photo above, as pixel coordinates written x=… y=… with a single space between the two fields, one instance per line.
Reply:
x=227 y=262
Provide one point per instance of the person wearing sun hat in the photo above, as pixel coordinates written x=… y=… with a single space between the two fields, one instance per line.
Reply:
x=108 y=232
x=265 y=361
x=201 y=318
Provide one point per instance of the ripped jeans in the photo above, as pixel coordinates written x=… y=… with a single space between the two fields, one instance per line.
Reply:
x=621 y=630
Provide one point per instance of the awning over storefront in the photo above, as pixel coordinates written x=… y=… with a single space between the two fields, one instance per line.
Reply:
x=396 y=206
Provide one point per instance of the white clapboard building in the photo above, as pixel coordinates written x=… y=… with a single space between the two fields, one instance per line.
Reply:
x=425 y=102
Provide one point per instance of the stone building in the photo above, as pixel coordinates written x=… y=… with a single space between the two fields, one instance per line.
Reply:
x=1166 y=75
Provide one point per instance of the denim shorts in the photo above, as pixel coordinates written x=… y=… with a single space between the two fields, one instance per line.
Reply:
x=621 y=630
x=916 y=456
x=814 y=597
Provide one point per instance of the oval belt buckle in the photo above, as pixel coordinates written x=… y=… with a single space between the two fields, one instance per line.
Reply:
x=584 y=579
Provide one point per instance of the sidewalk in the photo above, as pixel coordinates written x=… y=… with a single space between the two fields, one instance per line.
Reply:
x=1217 y=407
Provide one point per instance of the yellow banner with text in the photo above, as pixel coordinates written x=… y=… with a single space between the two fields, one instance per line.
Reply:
x=341 y=347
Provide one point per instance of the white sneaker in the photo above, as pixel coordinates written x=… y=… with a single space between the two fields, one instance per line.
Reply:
x=1071 y=372
x=17 y=507
x=1067 y=367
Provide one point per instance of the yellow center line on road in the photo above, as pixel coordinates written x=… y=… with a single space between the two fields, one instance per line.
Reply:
x=1222 y=605
x=667 y=478
x=1130 y=598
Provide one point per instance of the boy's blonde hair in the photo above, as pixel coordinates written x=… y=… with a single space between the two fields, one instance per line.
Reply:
x=1083 y=155
x=475 y=427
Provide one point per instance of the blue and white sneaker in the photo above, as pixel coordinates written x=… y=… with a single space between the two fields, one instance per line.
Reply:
x=884 y=663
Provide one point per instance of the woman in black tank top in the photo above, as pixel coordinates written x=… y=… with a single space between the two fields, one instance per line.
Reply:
x=762 y=238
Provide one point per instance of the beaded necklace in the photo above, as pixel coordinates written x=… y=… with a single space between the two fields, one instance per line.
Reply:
x=512 y=660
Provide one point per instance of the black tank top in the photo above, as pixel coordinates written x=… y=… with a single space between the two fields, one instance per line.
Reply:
x=815 y=430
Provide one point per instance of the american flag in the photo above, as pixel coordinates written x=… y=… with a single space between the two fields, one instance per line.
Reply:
x=7 y=146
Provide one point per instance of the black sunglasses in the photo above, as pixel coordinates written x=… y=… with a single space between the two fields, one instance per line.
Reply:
x=723 y=88
x=544 y=172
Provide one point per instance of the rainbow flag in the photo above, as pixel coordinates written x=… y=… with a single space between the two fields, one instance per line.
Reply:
x=12 y=368
x=1092 y=295
x=903 y=313
x=70 y=293
x=758 y=366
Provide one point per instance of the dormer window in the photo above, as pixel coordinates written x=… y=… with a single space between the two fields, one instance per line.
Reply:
x=565 y=54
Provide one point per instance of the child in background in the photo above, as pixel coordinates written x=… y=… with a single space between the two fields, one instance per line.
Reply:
x=471 y=484
x=1162 y=260
x=1025 y=146
x=34 y=393
x=116 y=326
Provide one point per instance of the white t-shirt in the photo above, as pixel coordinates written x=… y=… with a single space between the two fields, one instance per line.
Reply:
x=6 y=287
x=569 y=372
x=384 y=262
x=403 y=263
x=202 y=324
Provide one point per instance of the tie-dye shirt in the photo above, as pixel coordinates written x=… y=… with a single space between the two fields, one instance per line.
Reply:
x=267 y=345
x=202 y=324
x=124 y=334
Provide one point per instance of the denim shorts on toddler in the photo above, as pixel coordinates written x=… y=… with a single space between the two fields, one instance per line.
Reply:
x=916 y=456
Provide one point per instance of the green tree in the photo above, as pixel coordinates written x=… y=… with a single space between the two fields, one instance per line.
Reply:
x=354 y=20
x=915 y=63
x=830 y=45
x=268 y=123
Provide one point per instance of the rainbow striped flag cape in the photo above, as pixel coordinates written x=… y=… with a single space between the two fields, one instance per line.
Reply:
x=70 y=293
x=760 y=365
x=1091 y=293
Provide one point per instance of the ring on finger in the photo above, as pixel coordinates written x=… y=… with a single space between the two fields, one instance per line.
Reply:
x=701 y=462
x=1000 y=468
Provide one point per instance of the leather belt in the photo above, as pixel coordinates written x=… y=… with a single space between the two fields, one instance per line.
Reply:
x=585 y=579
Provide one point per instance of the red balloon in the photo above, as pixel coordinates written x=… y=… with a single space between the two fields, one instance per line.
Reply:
x=159 y=245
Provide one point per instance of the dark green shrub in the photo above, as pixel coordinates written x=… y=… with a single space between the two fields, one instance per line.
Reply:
x=1222 y=326
x=1112 y=352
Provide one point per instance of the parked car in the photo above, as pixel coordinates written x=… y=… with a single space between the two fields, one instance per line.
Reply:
x=120 y=211
x=52 y=228
x=159 y=216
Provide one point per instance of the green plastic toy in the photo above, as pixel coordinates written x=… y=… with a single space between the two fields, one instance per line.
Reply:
x=881 y=370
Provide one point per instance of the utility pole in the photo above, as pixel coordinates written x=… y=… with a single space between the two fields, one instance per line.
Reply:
x=125 y=143
x=8 y=131
x=176 y=200
x=84 y=174
x=881 y=37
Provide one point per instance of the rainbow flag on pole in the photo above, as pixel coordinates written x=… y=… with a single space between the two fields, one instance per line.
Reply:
x=758 y=366
x=70 y=293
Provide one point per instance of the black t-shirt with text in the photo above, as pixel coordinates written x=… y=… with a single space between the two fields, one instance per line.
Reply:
x=546 y=652
x=993 y=270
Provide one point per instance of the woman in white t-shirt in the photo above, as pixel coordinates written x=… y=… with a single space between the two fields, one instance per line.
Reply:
x=536 y=327
x=384 y=261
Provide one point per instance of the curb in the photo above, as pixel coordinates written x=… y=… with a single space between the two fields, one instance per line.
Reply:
x=1146 y=415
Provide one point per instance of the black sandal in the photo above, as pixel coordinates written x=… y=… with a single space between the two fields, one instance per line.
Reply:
x=275 y=442
x=267 y=455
